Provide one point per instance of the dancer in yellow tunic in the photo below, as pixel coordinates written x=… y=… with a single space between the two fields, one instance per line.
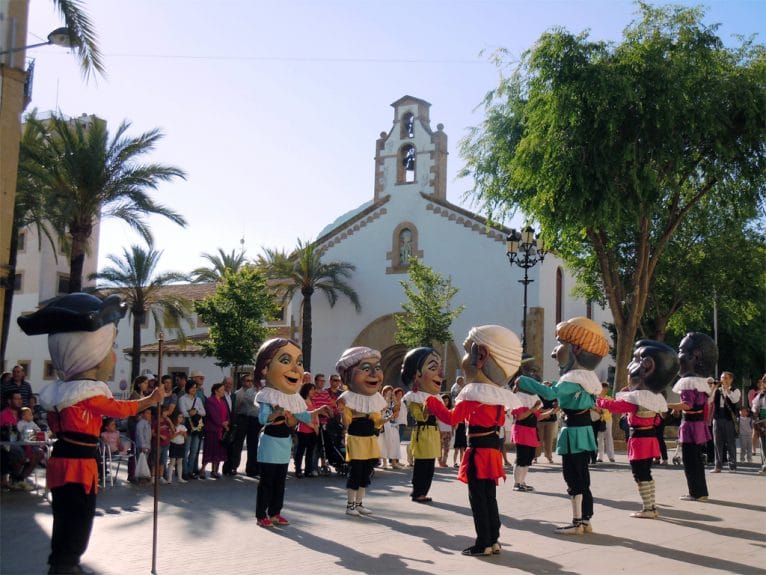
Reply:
x=361 y=407
x=422 y=371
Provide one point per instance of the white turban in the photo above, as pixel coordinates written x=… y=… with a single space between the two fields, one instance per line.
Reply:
x=78 y=351
x=353 y=356
x=503 y=345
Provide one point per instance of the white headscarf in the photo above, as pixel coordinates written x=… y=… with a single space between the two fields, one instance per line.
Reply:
x=503 y=346
x=78 y=351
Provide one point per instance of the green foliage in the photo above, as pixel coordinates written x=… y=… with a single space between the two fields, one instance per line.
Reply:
x=304 y=271
x=133 y=276
x=427 y=316
x=88 y=174
x=611 y=147
x=220 y=263
x=237 y=314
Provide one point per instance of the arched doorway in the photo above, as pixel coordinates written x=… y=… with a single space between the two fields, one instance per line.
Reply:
x=379 y=334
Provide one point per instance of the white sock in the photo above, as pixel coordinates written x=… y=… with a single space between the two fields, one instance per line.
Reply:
x=360 y=494
x=577 y=508
x=351 y=496
x=522 y=474
x=517 y=475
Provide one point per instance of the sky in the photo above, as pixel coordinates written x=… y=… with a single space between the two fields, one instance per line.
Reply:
x=273 y=108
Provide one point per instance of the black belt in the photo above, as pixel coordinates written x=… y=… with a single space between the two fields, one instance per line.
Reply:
x=430 y=422
x=530 y=421
x=693 y=416
x=635 y=432
x=361 y=427
x=491 y=441
x=577 y=418
x=74 y=445
x=278 y=429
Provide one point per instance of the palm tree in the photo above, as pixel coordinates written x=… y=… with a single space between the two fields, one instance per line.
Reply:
x=82 y=35
x=133 y=277
x=220 y=263
x=92 y=176
x=304 y=271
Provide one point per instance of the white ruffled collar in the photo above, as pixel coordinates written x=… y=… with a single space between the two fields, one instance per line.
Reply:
x=527 y=400
x=63 y=394
x=489 y=394
x=585 y=378
x=292 y=402
x=416 y=397
x=692 y=382
x=364 y=403
x=644 y=398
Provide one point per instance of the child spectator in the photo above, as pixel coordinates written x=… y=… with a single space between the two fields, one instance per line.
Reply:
x=745 y=436
x=166 y=431
x=39 y=415
x=176 y=452
x=28 y=429
x=111 y=437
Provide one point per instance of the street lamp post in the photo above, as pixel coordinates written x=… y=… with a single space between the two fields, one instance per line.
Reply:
x=524 y=249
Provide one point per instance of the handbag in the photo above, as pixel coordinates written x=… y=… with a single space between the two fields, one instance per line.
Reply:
x=227 y=436
x=142 y=467
x=195 y=422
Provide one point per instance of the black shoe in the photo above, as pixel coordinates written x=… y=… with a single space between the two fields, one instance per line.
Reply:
x=298 y=474
x=476 y=551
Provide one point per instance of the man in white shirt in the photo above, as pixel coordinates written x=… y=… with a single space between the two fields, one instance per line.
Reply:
x=725 y=410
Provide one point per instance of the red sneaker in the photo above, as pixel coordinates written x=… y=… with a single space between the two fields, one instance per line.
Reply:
x=265 y=522
x=279 y=520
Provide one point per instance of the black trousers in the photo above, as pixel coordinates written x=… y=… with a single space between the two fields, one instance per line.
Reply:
x=360 y=473
x=73 y=512
x=271 y=490
x=694 y=469
x=422 y=475
x=253 y=433
x=305 y=449
x=642 y=469
x=577 y=477
x=524 y=455
x=234 y=451
x=482 y=495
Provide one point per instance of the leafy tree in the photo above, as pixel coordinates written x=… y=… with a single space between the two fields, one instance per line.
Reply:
x=92 y=176
x=219 y=264
x=304 y=271
x=237 y=314
x=611 y=146
x=427 y=315
x=133 y=276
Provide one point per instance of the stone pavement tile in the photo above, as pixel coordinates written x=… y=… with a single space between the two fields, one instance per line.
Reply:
x=209 y=527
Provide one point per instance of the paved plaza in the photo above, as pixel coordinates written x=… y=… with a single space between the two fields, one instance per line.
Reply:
x=209 y=527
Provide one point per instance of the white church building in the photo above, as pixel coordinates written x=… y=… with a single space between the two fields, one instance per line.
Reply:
x=408 y=214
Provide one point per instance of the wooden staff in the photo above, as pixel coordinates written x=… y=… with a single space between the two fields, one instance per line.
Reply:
x=160 y=342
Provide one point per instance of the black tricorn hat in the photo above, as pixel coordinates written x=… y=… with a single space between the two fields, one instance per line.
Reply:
x=74 y=312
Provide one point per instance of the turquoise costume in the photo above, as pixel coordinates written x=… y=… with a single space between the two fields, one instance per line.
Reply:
x=575 y=394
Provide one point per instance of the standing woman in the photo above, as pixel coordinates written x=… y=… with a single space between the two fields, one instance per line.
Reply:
x=389 y=433
x=139 y=391
x=82 y=330
x=422 y=371
x=194 y=413
x=306 y=434
x=216 y=423
x=698 y=355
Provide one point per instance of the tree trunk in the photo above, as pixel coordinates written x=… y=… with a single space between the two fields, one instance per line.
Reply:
x=135 y=358
x=77 y=261
x=306 y=337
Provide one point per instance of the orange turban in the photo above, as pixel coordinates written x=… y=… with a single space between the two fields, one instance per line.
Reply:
x=583 y=332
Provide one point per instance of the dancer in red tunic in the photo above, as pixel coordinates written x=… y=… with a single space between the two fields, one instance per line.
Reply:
x=493 y=355
x=81 y=329
x=653 y=366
